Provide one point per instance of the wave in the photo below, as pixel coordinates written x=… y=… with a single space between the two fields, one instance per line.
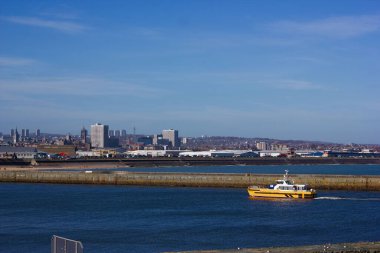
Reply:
x=344 y=198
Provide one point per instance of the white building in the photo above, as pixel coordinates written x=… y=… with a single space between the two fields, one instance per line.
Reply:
x=219 y=153
x=271 y=153
x=99 y=135
x=262 y=145
x=172 y=136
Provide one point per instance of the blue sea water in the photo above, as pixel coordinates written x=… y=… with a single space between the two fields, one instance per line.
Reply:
x=155 y=219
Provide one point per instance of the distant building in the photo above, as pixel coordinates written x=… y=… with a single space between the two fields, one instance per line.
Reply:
x=17 y=152
x=12 y=132
x=99 y=135
x=83 y=135
x=262 y=145
x=27 y=133
x=156 y=139
x=277 y=146
x=272 y=153
x=117 y=133
x=172 y=136
x=38 y=133
x=123 y=133
x=159 y=140
x=219 y=153
x=113 y=142
x=15 y=137
x=111 y=133
x=145 y=140
x=23 y=133
x=62 y=150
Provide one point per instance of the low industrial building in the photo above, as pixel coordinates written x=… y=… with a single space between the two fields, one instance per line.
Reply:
x=18 y=152
x=220 y=153
x=366 y=153
x=101 y=152
x=63 y=150
x=153 y=153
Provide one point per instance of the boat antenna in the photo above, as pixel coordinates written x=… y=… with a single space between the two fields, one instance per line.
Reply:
x=286 y=174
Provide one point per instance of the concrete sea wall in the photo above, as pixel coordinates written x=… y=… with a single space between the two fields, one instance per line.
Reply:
x=325 y=182
x=359 y=247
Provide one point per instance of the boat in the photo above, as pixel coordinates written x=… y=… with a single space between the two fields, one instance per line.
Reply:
x=284 y=188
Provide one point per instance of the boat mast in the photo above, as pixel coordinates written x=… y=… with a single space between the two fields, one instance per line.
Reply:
x=286 y=175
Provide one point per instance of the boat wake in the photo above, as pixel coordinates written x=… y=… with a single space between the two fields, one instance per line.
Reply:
x=343 y=198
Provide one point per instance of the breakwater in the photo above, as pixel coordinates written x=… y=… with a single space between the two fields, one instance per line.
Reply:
x=360 y=247
x=322 y=182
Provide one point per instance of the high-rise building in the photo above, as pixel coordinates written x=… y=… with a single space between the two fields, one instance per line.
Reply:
x=145 y=140
x=38 y=133
x=12 y=132
x=123 y=133
x=99 y=135
x=27 y=133
x=156 y=139
x=16 y=136
x=83 y=135
x=172 y=136
x=117 y=133
x=262 y=145
x=111 y=133
x=23 y=133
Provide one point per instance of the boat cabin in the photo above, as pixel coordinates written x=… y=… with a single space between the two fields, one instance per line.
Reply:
x=287 y=185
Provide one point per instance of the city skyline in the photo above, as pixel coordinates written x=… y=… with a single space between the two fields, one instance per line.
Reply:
x=285 y=70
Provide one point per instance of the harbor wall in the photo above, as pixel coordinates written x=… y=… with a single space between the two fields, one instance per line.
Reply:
x=359 y=247
x=319 y=182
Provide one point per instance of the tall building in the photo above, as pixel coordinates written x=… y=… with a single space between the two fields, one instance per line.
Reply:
x=117 y=133
x=123 y=133
x=172 y=136
x=38 y=133
x=27 y=133
x=111 y=133
x=83 y=135
x=12 y=132
x=23 y=133
x=16 y=136
x=262 y=145
x=99 y=135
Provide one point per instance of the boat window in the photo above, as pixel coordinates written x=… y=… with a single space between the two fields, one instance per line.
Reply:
x=285 y=188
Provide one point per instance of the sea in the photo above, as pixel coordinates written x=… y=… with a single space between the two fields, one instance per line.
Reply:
x=109 y=218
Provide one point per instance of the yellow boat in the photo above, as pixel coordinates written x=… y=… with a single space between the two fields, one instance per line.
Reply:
x=284 y=188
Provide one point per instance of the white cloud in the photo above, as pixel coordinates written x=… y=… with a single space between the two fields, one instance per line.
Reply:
x=63 y=26
x=297 y=85
x=80 y=86
x=335 y=27
x=13 y=62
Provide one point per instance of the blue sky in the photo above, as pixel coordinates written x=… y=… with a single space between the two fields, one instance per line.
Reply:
x=278 y=69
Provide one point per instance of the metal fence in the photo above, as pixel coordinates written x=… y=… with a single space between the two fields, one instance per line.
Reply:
x=64 y=245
